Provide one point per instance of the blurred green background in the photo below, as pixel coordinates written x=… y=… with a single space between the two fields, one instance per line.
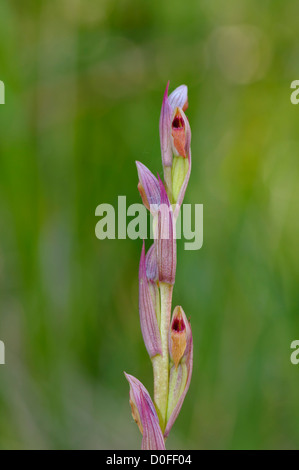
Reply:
x=84 y=83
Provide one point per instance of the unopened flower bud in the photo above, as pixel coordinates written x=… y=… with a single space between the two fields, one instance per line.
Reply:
x=175 y=137
x=178 y=336
x=181 y=353
x=179 y=133
x=145 y=415
x=174 y=127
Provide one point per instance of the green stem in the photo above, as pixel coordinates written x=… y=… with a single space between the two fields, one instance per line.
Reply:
x=168 y=182
x=161 y=363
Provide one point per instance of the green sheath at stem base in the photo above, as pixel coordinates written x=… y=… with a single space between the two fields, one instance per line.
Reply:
x=161 y=363
x=168 y=182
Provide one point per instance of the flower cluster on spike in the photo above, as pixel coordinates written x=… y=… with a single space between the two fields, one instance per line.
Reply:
x=167 y=338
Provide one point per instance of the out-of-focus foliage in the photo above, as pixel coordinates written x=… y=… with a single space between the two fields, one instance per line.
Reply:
x=84 y=83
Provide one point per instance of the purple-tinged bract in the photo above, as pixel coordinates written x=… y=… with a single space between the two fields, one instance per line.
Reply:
x=144 y=413
x=148 y=319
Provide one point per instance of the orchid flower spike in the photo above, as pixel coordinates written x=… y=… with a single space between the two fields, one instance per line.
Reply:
x=168 y=340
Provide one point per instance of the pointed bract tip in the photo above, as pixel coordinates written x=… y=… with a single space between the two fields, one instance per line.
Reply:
x=166 y=89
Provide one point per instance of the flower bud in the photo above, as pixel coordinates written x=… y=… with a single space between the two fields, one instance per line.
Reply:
x=181 y=353
x=175 y=137
x=177 y=99
x=178 y=336
x=145 y=415
x=179 y=129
